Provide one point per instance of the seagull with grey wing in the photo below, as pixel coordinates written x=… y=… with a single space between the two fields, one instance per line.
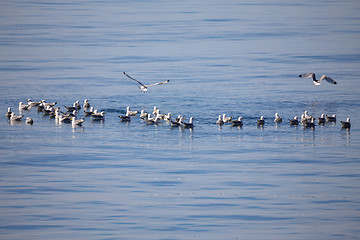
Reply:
x=317 y=81
x=144 y=87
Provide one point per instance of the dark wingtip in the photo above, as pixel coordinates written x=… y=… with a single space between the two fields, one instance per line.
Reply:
x=300 y=75
x=335 y=82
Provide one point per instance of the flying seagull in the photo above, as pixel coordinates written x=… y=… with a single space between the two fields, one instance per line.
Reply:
x=316 y=81
x=144 y=87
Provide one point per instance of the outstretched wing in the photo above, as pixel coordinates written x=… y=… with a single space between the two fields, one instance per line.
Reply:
x=329 y=79
x=133 y=79
x=308 y=75
x=153 y=84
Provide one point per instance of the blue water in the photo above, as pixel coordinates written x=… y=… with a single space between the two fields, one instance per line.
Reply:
x=115 y=180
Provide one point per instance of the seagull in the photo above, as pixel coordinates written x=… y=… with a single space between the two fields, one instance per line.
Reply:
x=77 y=122
x=88 y=113
x=294 y=121
x=28 y=120
x=174 y=123
x=33 y=104
x=23 y=106
x=155 y=109
x=167 y=117
x=143 y=114
x=316 y=81
x=71 y=108
x=98 y=116
x=8 y=113
x=178 y=118
x=70 y=114
x=77 y=105
x=125 y=118
x=321 y=120
x=14 y=117
x=237 y=122
x=131 y=113
x=310 y=124
x=261 y=121
x=307 y=116
x=151 y=120
x=49 y=111
x=331 y=118
x=158 y=114
x=86 y=104
x=220 y=121
x=62 y=118
x=277 y=119
x=346 y=124
x=190 y=124
x=144 y=87
x=44 y=104
x=303 y=119
x=226 y=119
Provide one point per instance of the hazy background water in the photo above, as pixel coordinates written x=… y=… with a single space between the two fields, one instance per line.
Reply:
x=111 y=180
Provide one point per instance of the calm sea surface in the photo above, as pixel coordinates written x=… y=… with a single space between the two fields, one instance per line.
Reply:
x=115 y=180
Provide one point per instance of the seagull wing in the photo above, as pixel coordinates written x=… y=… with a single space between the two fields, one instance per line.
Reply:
x=153 y=84
x=133 y=79
x=308 y=75
x=329 y=79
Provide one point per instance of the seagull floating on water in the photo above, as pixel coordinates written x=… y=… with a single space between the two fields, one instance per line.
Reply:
x=33 y=104
x=23 y=106
x=237 y=122
x=89 y=112
x=62 y=118
x=346 y=124
x=225 y=118
x=316 y=81
x=277 y=119
x=131 y=113
x=144 y=87
x=29 y=120
x=294 y=121
x=220 y=121
x=45 y=104
x=143 y=114
x=310 y=124
x=125 y=118
x=86 y=104
x=8 y=113
x=167 y=117
x=331 y=118
x=14 y=117
x=77 y=122
x=151 y=120
x=261 y=121
x=321 y=119
x=189 y=124
x=98 y=116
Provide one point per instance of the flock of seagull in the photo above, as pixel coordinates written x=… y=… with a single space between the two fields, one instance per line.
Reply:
x=306 y=120
x=71 y=116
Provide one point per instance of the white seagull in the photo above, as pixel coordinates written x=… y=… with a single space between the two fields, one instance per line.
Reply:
x=8 y=113
x=346 y=124
x=144 y=87
x=316 y=81
x=29 y=121
x=277 y=119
